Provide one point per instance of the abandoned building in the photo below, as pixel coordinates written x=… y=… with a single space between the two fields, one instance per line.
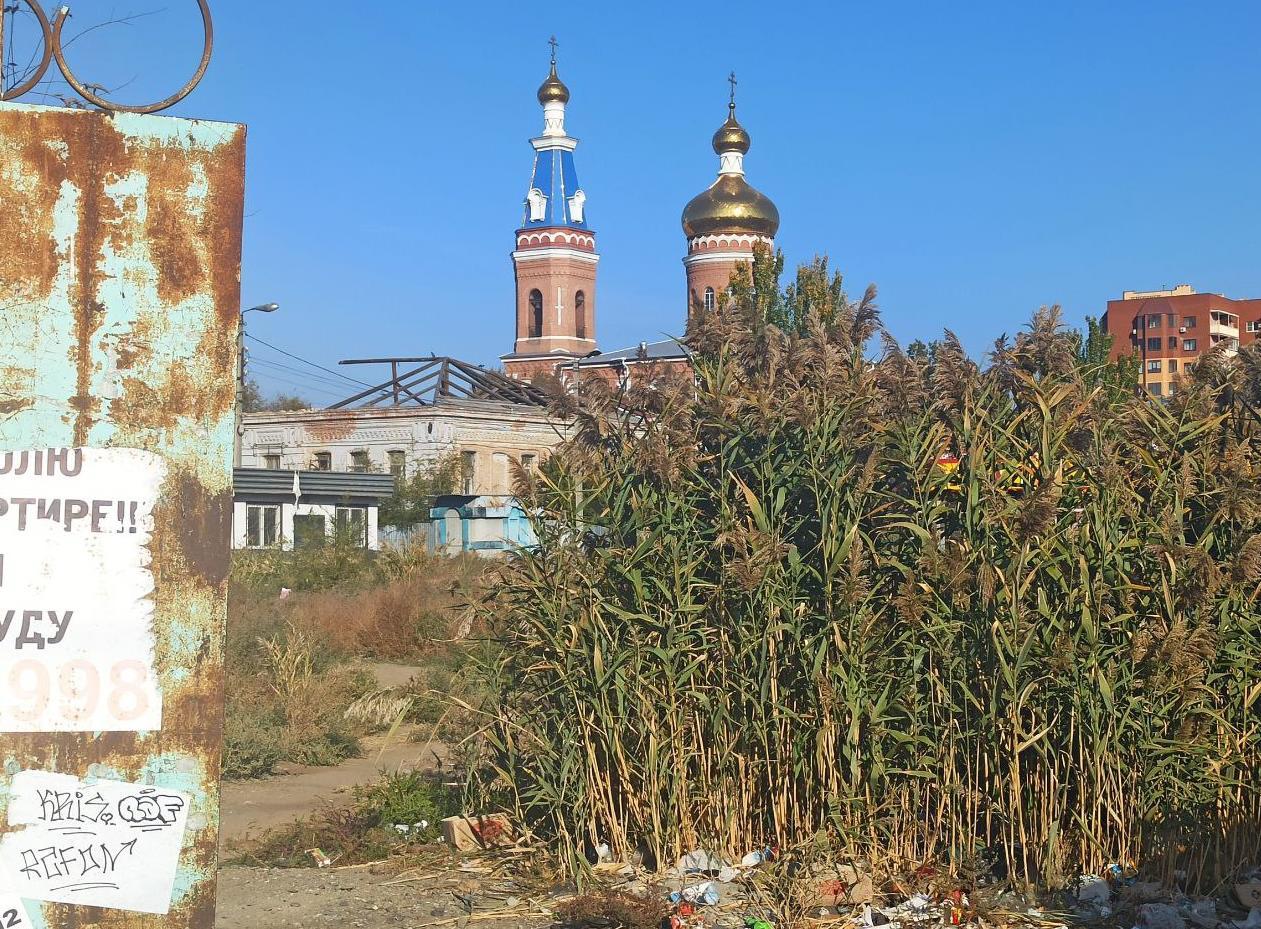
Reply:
x=429 y=409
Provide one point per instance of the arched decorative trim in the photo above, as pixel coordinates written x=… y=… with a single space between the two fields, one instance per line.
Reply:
x=728 y=240
x=552 y=237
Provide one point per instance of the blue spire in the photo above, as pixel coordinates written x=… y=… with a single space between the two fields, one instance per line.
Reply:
x=555 y=198
x=556 y=181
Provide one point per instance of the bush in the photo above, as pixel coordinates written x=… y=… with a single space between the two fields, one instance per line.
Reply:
x=251 y=745
x=408 y=798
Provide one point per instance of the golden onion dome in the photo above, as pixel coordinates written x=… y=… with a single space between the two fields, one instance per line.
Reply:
x=731 y=204
x=553 y=89
x=731 y=136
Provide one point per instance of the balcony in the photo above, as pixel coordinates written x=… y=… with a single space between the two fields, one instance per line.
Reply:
x=1232 y=344
x=1224 y=325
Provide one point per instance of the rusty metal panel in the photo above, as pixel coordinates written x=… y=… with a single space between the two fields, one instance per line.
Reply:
x=120 y=245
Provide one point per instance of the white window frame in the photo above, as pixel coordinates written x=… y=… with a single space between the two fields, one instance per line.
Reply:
x=347 y=516
x=257 y=536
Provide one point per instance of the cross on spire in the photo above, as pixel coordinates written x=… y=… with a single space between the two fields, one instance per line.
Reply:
x=731 y=79
x=553 y=43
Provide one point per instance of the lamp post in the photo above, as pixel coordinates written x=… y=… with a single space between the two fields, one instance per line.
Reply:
x=240 y=374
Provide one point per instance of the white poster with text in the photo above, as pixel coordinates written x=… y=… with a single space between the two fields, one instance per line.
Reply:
x=76 y=606
x=94 y=843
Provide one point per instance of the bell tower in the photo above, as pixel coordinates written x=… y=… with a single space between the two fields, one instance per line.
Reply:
x=555 y=258
x=724 y=222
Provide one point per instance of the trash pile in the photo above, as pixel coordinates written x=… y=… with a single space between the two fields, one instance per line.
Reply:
x=706 y=891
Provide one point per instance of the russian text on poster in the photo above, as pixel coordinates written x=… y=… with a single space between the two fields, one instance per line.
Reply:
x=76 y=610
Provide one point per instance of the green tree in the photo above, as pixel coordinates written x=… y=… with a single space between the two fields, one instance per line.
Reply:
x=1094 y=351
x=252 y=401
x=415 y=493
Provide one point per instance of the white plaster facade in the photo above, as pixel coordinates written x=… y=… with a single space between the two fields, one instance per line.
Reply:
x=287 y=510
x=489 y=435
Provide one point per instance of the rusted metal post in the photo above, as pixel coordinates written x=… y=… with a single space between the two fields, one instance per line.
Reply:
x=119 y=315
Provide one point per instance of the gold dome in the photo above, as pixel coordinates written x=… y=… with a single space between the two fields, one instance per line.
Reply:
x=731 y=136
x=730 y=205
x=553 y=88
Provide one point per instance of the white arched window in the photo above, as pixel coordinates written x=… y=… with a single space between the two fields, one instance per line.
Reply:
x=536 y=203
x=577 y=206
x=709 y=298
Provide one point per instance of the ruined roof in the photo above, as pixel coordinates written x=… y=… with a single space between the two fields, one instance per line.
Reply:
x=425 y=381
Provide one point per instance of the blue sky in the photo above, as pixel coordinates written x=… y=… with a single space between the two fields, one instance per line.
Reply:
x=974 y=160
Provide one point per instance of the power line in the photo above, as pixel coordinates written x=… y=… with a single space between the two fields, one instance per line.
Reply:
x=323 y=390
x=306 y=362
x=317 y=378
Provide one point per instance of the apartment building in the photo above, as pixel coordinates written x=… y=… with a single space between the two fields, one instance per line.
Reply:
x=1169 y=329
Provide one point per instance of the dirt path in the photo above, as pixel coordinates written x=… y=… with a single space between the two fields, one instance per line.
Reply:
x=252 y=807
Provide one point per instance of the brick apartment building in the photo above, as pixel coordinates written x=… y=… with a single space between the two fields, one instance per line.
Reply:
x=1169 y=329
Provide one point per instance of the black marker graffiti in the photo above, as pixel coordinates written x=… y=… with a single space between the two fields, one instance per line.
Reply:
x=150 y=810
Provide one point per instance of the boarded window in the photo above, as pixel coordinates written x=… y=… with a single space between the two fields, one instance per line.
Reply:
x=308 y=531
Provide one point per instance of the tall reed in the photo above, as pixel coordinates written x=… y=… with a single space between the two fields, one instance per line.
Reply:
x=760 y=611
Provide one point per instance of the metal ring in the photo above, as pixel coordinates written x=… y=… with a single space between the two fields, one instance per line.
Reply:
x=86 y=94
x=25 y=87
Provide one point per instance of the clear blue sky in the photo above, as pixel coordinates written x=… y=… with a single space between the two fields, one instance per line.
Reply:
x=974 y=160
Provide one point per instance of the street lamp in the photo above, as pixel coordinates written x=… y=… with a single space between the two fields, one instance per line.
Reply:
x=240 y=373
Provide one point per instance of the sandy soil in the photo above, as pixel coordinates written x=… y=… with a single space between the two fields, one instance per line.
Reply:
x=361 y=898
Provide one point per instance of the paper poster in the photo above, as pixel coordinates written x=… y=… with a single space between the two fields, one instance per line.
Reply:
x=102 y=843
x=76 y=609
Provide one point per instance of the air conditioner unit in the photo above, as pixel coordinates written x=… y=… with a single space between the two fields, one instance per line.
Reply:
x=1182 y=328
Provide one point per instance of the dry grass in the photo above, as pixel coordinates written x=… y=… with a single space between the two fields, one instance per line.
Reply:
x=290 y=674
x=760 y=613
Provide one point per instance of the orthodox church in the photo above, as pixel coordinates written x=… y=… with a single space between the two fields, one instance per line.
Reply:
x=555 y=258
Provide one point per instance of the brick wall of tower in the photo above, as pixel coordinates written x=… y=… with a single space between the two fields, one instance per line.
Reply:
x=560 y=265
x=712 y=260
